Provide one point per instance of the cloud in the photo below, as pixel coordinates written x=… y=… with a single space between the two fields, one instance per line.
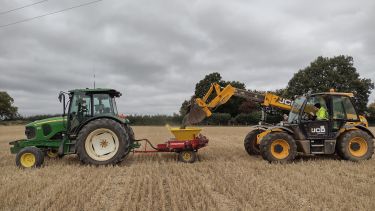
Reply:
x=155 y=51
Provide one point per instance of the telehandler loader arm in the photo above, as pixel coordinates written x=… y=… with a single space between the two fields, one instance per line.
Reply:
x=201 y=109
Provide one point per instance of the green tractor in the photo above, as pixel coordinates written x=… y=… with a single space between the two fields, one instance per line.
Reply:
x=91 y=128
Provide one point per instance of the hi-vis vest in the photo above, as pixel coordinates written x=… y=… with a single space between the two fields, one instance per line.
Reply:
x=322 y=114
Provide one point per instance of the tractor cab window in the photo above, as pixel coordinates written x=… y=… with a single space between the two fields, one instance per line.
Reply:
x=81 y=105
x=343 y=108
x=104 y=104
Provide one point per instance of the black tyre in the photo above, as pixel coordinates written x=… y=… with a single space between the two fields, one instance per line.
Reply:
x=131 y=136
x=30 y=157
x=187 y=156
x=52 y=153
x=250 y=143
x=355 y=145
x=278 y=147
x=102 y=142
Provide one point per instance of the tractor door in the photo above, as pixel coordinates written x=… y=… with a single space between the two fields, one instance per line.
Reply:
x=79 y=110
x=314 y=128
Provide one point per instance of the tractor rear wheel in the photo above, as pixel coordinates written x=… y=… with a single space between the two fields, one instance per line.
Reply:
x=187 y=156
x=278 y=147
x=250 y=143
x=102 y=142
x=30 y=157
x=355 y=145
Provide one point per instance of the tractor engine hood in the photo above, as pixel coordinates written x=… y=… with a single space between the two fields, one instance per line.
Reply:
x=53 y=120
x=46 y=128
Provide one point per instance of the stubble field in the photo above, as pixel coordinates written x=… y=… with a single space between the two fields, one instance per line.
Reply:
x=225 y=178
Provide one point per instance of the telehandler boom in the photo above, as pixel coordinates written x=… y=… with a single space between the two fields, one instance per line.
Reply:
x=201 y=109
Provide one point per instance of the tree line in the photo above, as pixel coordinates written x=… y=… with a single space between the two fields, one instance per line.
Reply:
x=321 y=75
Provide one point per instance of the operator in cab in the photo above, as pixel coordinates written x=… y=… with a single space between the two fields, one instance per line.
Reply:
x=322 y=113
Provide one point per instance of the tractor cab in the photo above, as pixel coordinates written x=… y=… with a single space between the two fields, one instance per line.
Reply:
x=322 y=115
x=87 y=104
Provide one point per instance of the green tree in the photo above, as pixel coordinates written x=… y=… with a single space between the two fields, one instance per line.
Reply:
x=7 y=110
x=326 y=73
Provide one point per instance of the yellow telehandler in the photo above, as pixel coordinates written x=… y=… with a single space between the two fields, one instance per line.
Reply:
x=343 y=131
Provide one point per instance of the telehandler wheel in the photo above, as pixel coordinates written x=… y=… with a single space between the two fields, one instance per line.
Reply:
x=355 y=145
x=278 y=147
x=250 y=143
x=187 y=156
x=102 y=142
x=30 y=157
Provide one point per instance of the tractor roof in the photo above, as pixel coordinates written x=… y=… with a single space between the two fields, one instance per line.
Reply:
x=111 y=92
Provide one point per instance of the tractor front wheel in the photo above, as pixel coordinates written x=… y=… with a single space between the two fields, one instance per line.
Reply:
x=355 y=145
x=278 y=147
x=30 y=157
x=102 y=142
x=187 y=156
x=250 y=143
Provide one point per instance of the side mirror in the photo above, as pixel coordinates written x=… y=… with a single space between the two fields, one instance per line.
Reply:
x=61 y=96
x=62 y=99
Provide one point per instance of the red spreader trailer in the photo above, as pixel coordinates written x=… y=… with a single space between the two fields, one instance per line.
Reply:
x=186 y=143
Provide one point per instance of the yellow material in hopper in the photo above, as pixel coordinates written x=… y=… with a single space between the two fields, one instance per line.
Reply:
x=185 y=134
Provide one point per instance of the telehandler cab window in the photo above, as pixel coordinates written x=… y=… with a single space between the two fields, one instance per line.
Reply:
x=312 y=107
x=343 y=108
x=295 y=111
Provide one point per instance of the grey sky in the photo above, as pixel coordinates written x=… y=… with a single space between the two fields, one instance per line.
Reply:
x=155 y=51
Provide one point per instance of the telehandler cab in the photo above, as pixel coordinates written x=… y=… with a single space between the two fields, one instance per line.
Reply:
x=344 y=132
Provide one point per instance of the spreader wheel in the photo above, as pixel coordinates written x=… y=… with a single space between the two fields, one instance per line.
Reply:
x=187 y=156
x=30 y=157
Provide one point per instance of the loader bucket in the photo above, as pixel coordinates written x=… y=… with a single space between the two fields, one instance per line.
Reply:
x=195 y=115
x=185 y=134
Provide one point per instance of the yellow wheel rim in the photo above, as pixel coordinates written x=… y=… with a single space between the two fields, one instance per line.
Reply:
x=52 y=153
x=280 y=149
x=27 y=160
x=358 y=146
x=186 y=156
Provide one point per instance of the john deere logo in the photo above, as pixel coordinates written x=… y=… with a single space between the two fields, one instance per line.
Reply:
x=320 y=129
x=285 y=101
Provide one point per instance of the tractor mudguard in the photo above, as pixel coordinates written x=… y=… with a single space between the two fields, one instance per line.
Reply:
x=95 y=118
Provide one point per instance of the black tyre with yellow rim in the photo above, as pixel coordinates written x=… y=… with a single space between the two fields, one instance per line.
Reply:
x=278 y=147
x=250 y=143
x=355 y=145
x=187 y=156
x=30 y=157
x=52 y=153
